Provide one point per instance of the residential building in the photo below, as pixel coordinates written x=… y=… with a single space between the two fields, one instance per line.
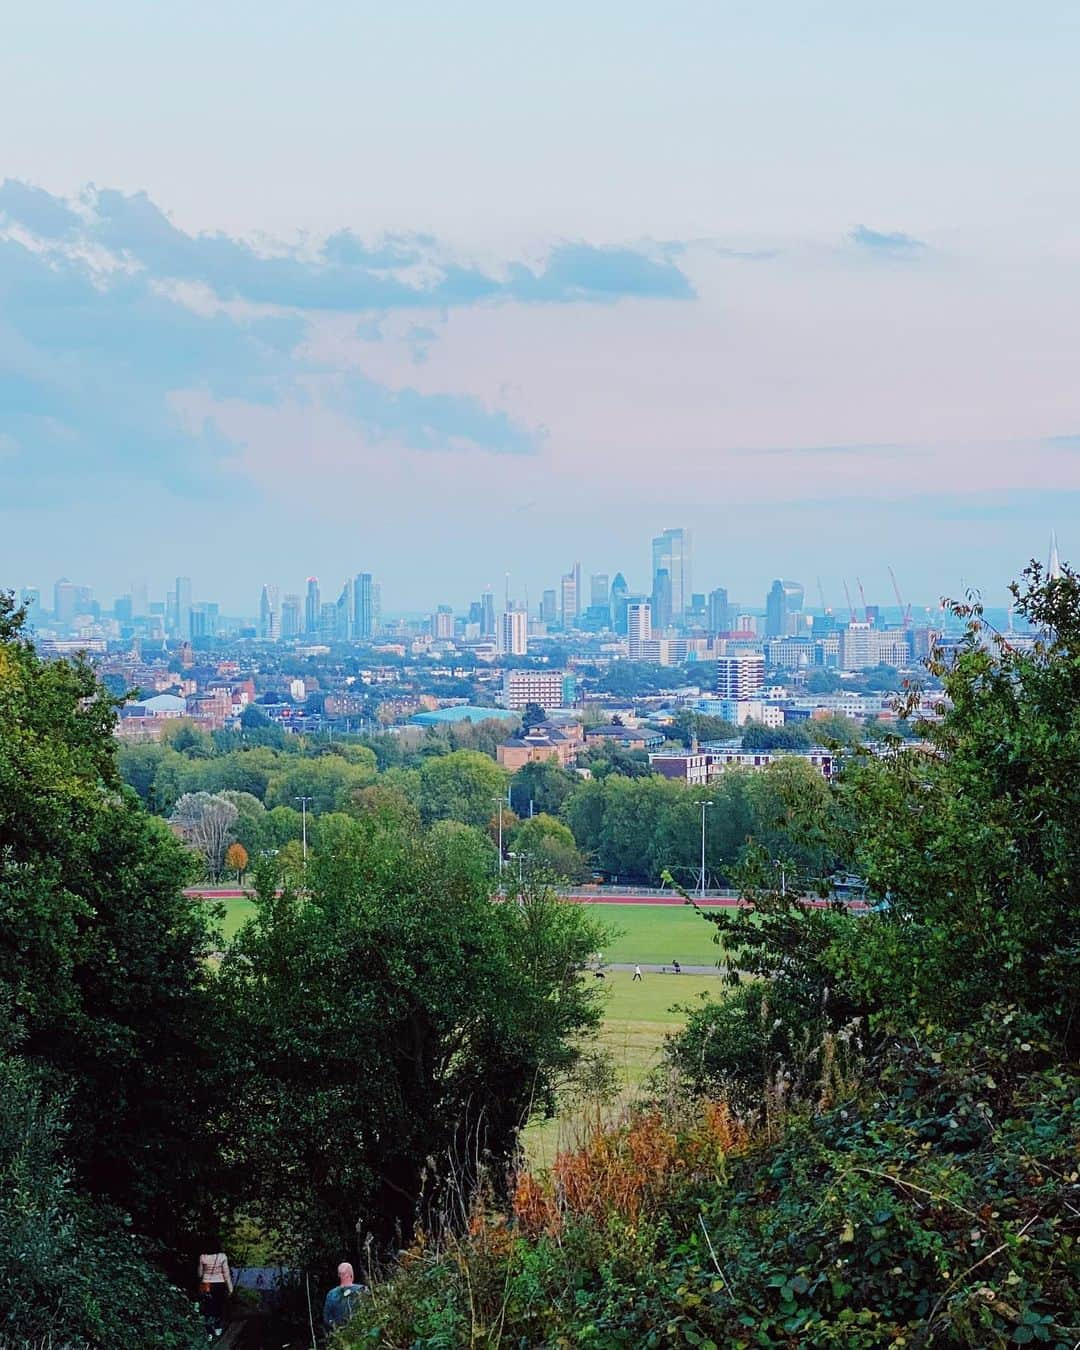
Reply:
x=442 y=623
x=269 y=613
x=629 y=738
x=638 y=627
x=513 y=635
x=291 y=616
x=546 y=688
x=541 y=743
x=740 y=676
x=364 y=605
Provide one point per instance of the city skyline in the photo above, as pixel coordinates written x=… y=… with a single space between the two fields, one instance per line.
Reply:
x=747 y=282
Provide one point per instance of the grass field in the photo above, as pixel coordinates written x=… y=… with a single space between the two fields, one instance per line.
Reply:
x=658 y=934
x=637 y=1017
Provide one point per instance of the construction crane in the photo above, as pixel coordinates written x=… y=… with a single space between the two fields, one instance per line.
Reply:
x=862 y=597
x=905 y=610
x=821 y=596
x=851 y=607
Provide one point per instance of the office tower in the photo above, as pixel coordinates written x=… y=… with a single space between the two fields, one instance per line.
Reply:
x=719 y=620
x=487 y=621
x=140 y=604
x=204 y=619
x=571 y=596
x=442 y=623
x=782 y=607
x=122 y=609
x=513 y=632
x=292 y=611
x=183 y=606
x=662 y=604
x=671 y=554
x=346 y=610
x=619 y=593
x=65 y=598
x=363 y=623
x=312 y=606
x=269 y=614
x=476 y=614
x=85 y=602
x=170 y=613
x=638 y=627
x=328 y=621
x=599 y=591
x=549 y=607
x=740 y=677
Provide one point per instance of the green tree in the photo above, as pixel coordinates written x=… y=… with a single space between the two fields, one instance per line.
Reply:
x=392 y=1025
x=460 y=786
x=543 y=785
x=102 y=958
x=533 y=716
x=329 y=780
x=548 y=848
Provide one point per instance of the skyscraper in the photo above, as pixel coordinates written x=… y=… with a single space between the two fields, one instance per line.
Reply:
x=549 y=607
x=571 y=596
x=598 y=590
x=291 y=616
x=140 y=604
x=442 y=623
x=671 y=553
x=346 y=612
x=662 y=604
x=782 y=607
x=183 y=607
x=740 y=677
x=487 y=610
x=269 y=613
x=513 y=632
x=719 y=621
x=363 y=626
x=65 y=596
x=638 y=627
x=311 y=607
x=619 y=592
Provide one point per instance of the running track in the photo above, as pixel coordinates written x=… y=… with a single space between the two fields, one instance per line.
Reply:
x=582 y=897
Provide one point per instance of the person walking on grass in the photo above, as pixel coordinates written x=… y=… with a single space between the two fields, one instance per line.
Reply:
x=637 y=974
x=215 y=1283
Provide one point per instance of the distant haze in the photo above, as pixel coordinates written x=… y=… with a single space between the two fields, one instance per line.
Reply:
x=438 y=292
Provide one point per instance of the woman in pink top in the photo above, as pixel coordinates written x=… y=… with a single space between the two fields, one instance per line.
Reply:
x=215 y=1279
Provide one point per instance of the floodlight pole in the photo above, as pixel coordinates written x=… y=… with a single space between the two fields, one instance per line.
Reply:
x=303 y=817
x=704 y=807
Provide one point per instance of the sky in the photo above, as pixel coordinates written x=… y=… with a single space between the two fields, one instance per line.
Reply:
x=445 y=291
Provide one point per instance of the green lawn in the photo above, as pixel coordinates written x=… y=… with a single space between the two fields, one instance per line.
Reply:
x=237 y=911
x=637 y=1017
x=658 y=934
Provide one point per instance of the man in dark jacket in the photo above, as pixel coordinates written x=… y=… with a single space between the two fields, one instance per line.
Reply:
x=341 y=1300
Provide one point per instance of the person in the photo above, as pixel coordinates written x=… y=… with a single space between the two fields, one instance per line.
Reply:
x=215 y=1279
x=637 y=974
x=340 y=1302
x=676 y=967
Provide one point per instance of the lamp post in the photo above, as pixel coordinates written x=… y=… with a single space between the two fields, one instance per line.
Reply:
x=303 y=816
x=520 y=859
x=781 y=867
x=704 y=807
x=498 y=805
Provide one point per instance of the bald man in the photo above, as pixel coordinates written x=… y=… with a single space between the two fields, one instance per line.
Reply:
x=341 y=1300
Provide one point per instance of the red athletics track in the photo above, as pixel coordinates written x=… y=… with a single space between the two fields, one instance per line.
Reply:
x=580 y=897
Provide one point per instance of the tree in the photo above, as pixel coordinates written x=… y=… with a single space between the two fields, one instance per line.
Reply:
x=236 y=859
x=392 y=1024
x=328 y=779
x=755 y=736
x=460 y=786
x=533 y=716
x=102 y=959
x=205 y=822
x=542 y=785
x=548 y=848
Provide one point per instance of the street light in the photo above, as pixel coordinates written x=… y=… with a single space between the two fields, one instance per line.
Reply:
x=498 y=804
x=303 y=815
x=704 y=807
x=520 y=859
x=782 y=868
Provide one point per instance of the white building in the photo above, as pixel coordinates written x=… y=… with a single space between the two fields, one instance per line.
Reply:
x=513 y=633
x=547 y=688
x=740 y=676
x=639 y=629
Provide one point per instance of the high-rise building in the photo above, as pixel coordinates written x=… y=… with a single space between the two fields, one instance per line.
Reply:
x=638 y=627
x=741 y=676
x=619 y=593
x=204 y=618
x=662 y=604
x=363 y=626
x=312 y=606
x=442 y=623
x=599 y=590
x=291 y=616
x=547 y=688
x=140 y=604
x=671 y=554
x=549 y=607
x=328 y=621
x=571 y=596
x=65 y=600
x=719 y=614
x=487 y=606
x=183 y=607
x=346 y=612
x=783 y=605
x=513 y=632
x=269 y=613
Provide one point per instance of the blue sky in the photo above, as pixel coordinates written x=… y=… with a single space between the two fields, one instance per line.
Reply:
x=444 y=291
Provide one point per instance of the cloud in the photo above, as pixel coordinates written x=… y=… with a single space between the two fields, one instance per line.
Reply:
x=894 y=244
x=344 y=273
